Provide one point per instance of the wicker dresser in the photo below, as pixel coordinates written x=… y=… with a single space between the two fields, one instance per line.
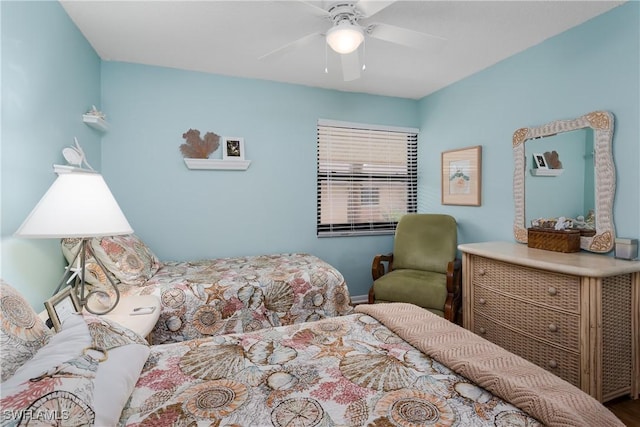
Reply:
x=576 y=315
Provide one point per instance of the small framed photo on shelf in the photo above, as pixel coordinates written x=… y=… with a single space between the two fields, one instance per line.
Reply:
x=62 y=305
x=539 y=161
x=232 y=148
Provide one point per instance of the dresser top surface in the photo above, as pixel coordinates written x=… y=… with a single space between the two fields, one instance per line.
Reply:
x=577 y=263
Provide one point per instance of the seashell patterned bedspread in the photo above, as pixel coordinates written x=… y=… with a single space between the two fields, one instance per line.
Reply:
x=345 y=371
x=242 y=294
x=541 y=394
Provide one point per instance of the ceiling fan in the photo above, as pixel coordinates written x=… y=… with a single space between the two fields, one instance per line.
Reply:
x=350 y=25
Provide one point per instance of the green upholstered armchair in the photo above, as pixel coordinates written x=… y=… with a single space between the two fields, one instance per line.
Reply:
x=423 y=268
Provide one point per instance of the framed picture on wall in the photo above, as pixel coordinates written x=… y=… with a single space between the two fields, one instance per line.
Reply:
x=461 y=176
x=62 y=305
x=232 y=148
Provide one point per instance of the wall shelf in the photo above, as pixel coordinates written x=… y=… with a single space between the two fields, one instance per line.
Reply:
x=546 y=172
x=213 y=164
x=95 y=122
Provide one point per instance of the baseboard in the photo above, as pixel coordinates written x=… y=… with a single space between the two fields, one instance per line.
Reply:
x=360 y=299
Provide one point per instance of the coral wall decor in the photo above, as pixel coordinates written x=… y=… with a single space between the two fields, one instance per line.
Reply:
x=196 y=147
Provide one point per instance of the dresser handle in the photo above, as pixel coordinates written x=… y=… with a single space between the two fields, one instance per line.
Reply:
x=481 y=272
x=482 y=331
x=552 y=291
x=553 y=364
x=553 y=327
x=482 y=301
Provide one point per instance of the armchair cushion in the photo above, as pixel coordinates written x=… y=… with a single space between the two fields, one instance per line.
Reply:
x=424 y=288
x=425 y=242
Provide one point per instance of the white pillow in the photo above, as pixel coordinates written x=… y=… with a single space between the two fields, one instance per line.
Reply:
x=114 y=380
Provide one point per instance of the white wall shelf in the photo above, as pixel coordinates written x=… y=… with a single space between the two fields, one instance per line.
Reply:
x=213 y=164
x=95 y=122
x=546 y=172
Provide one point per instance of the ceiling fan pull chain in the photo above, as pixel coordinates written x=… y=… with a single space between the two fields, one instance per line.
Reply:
x=364 y=54
x=326 y=68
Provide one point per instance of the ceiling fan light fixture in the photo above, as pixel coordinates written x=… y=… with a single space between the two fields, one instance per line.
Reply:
x=345 y=37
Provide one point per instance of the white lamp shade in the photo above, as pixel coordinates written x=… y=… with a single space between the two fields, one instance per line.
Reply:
x=78 y=204
x=345 y=37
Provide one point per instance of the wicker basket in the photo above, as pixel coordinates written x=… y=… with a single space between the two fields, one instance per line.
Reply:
x=554 y=240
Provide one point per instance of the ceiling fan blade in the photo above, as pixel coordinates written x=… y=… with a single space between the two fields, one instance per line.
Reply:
x=309 y=8
x=370 y=7
x=406 y=37
x=301 y=42
x=350 y=66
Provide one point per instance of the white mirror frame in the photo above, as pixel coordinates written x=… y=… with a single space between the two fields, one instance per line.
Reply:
x=605 y=176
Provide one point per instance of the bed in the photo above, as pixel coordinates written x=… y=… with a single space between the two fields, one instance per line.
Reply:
x=218 y=296
x=383 y=365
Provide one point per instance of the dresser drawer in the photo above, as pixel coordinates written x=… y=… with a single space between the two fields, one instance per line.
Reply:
x=554 y=289
x=562 y=363
x=560 y=328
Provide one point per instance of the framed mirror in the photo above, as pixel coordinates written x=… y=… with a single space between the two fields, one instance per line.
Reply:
x=589 y=177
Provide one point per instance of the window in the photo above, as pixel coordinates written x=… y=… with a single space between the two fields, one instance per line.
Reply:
x=370 y=196
x=367 y=177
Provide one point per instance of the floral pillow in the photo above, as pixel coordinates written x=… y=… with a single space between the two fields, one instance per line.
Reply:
x=22 y=332
x=94 y=275
x=127 y=257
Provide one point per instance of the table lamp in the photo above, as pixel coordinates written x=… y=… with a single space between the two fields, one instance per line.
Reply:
x=78 y=204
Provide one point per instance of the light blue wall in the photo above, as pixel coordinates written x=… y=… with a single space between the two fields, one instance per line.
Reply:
x=50 y=76
x=184 y=214
x=595 y=66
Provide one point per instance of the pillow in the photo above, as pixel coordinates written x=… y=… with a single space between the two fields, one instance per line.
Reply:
x=127 y=257
x=94 y=275
x=97 y=391
x=22 y=332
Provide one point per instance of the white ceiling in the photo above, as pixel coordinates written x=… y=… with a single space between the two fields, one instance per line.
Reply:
x=229 y=37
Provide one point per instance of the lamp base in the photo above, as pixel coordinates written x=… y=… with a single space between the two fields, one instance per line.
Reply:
x=96 y=301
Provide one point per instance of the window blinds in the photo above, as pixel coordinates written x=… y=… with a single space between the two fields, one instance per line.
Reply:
x=366 y=177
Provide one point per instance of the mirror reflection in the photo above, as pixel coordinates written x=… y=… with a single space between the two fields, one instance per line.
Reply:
x=571 y=193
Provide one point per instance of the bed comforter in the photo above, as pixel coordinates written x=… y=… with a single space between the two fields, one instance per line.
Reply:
x=242 y=294
x=386 y=365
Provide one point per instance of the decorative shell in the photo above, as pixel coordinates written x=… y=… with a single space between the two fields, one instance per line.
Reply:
x=250 y=296
x=357 y=412
x=473 y=392
x=385 y=336
x=251 y=375
x=301 y=411
x=282 y=381
x=279 y=297
x=156 y=399
x=431 y=385
x=270 y=353
x=199 y=362
x=330 y=329
x=174 y=323
x=215 y=399
x=207 y=320
x=376 y=371
x=414 y=408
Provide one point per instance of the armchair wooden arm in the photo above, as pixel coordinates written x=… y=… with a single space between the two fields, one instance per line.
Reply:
x=454 y=290
x=378 y=270
x=377 y=267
